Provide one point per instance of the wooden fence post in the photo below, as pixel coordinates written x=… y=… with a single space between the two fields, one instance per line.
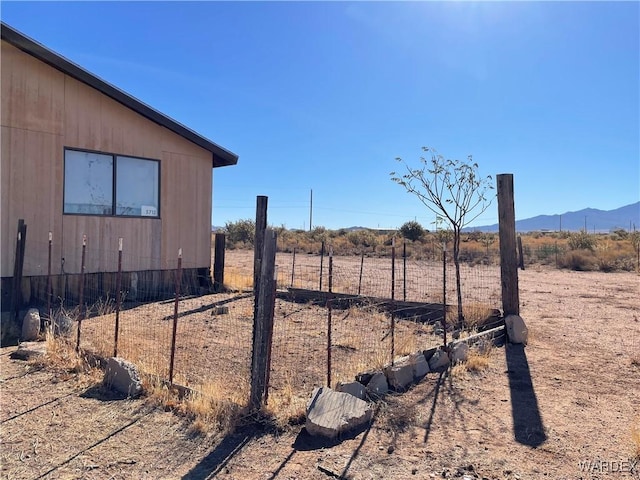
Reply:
x=520 y=254
x=18 y=265
x=263 y=322
x=507 y=234
x=81 y=299
x=49 y=279
x=218 y=262
x=261 y=227
x=118 y=298
x=176 y=305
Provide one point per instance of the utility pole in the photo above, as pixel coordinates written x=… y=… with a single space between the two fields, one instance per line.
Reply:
x=560 y=223
x=311 y=210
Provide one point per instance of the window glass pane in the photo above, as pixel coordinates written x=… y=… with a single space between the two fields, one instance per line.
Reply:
x=137 y=187
x=88 y=181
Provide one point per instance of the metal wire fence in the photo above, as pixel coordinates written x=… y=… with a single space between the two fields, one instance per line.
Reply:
x=334 y=316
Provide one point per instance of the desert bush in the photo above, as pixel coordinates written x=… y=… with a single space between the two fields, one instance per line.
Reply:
x=412 y=231
x=242 y=231
x=579 y=260
x=582 y=241
x=363 y=238
x=620 y=234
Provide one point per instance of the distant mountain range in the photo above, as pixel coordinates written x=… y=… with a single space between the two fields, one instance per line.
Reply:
x=598 y=221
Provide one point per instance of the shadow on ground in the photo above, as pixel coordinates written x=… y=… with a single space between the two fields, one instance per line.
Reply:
x=216 y=461
x=527 y=422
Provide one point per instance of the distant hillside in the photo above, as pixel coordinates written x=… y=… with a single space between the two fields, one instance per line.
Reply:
x=597 y=220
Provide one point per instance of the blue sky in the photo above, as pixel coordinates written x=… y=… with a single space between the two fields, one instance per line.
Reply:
x=325 y=96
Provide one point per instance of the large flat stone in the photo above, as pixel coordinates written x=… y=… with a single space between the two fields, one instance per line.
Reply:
x=330 y=413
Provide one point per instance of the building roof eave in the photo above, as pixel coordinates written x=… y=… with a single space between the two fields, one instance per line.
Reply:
x=221 y=157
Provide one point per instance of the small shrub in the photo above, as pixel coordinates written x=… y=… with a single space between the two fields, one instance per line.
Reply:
x=582 y=241
x=578 y=260
x=412 y=231
x=477 y=362
x=242 y=231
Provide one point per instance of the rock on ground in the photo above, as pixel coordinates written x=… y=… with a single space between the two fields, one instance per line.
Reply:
x=460 y=353
x=353 y=388
x=439 y=360
x=31 y=325
x=123 y=376
x=330 y=413
x=399 y=376
x=420 y=366
x=377 y=386
x=517 y=331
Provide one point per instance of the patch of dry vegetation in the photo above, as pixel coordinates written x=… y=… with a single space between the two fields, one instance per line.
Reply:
x=615 y=251
x=478 y=361
x=62 y=359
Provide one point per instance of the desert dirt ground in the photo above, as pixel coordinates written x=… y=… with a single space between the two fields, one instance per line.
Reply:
x=562 y=408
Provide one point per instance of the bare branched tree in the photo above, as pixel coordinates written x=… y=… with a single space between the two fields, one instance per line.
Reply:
x=453 y=190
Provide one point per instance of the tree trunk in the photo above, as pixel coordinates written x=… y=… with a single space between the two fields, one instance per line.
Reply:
x=456 y=261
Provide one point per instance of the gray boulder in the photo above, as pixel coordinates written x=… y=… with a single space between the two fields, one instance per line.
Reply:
x=420 y=366
x=330 y=413
x=31 y=325
x=459 y=353
x=400 y=375
x=517 y=331
x=377 y=386
x=353 y=388
x=62 y=325
x=123 y=376
x=439 y=360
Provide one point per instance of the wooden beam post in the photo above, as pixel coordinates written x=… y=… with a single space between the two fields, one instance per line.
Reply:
x=263 y=323
x=18 y=264
x=507 y=235
x=261 y=227
x=218 y=262
x=520 y=253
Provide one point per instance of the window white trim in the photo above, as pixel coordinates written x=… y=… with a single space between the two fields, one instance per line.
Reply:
x=105 y=184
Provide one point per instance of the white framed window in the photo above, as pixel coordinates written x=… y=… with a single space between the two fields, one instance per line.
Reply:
x=98 y=183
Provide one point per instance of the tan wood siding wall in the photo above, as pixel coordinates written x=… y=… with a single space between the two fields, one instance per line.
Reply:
x=44 y=111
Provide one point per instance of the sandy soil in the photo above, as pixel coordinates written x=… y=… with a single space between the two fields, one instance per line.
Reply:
x=561 y=408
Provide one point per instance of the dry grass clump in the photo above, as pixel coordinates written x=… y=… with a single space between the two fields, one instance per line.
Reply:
x=477 y=361
x=62 y=358
x=286 y=406
x=209 y=410
x=237 y=279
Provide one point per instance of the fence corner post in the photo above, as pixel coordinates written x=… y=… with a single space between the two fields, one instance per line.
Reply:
x=218 y=262
x=263 y=322
x=507 y=237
